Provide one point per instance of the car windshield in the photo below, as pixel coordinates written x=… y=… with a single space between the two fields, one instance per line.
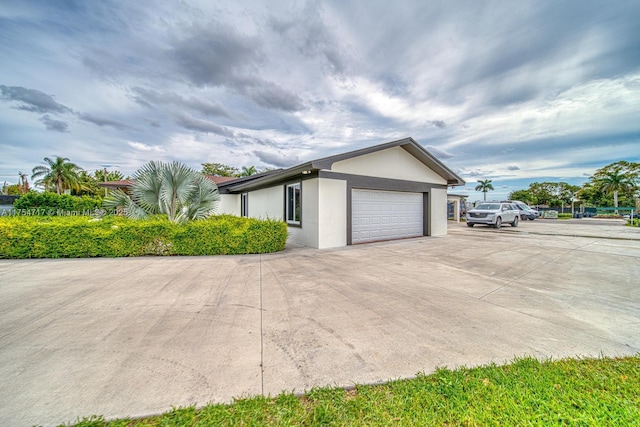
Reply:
x=488 y=206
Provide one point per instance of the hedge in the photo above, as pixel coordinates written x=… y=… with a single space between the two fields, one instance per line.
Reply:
x=49 y=204
x=112 y=236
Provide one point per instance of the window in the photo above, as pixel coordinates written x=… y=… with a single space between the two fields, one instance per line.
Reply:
x=293 y=203
x=244 y=204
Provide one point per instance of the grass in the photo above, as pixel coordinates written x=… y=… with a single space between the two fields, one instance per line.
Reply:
x=527 y=392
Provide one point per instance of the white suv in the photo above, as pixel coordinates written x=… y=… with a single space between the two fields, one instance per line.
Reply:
x=494 y=214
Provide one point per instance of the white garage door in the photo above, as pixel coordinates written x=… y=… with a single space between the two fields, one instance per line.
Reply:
x=385 y=215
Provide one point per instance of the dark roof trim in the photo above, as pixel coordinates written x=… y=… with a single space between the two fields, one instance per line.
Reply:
x=409 y=144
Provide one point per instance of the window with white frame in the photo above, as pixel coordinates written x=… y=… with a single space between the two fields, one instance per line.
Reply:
x=244 y=204
x=293 y=203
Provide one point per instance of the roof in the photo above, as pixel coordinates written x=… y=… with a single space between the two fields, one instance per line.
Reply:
x=409 y=144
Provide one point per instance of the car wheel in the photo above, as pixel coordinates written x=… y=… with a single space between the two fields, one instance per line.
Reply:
x=470 y=225
x=523 y=217
x=498 y=222
x=532 y=218
x=515 y=221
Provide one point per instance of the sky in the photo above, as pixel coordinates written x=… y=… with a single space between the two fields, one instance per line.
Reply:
x=515 y=92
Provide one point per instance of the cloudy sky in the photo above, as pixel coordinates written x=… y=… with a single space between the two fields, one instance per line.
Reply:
x=510 y=91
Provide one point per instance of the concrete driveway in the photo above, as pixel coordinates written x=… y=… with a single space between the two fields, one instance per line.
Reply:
x=128 y=337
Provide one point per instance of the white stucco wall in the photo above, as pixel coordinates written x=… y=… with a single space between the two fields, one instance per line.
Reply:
x=395 y=163
x=438 y=206
x=332 y=215
x=229 y=204
x=267 y=203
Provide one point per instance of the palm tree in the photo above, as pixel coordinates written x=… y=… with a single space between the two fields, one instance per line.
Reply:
x=247 y=171
x=484 y=186
x=59 y=172
x=614 y=181
x=171 y=189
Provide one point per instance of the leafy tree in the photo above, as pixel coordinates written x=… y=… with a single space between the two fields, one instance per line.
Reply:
x=87 y=185
x=614 y=181
x=484 y=186
x=60 y=173
x=619 y=180
x=248 y=171
x=113 y=175
x=219 y=169
x=171 y=189
x=12 y=190
x=523 y=195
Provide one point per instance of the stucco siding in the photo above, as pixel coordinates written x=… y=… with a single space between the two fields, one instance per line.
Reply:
x=332 y=213
x=438 y=207
x=394 y=163
x=229 y=204
x=266 y=203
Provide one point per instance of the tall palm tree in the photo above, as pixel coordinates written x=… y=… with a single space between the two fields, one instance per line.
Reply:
x=59 y=172
x=171 y=189
x=615 y=181
x=484 y=186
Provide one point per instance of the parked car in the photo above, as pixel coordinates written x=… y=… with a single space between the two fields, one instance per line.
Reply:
x=526 y=211
x=493 y=214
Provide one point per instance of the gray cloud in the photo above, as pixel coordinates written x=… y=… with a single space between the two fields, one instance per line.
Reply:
x=32 y=100
x=219 y=57
x=279 y=159
x=148 y=97
x=438 y=152
x=555 y=83
x=198 y=125
x=513 y=168
x=214 y=55
x=102 y=121
x=307 y=32
x=54 y=125
x=270 y=95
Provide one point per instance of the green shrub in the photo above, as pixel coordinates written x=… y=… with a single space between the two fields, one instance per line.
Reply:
x=111 y=236
x=564 y=216
x=53 y=204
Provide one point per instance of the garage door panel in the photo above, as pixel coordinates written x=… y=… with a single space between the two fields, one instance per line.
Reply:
x=385 y=215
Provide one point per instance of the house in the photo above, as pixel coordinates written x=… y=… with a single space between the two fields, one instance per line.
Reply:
x=388 y=191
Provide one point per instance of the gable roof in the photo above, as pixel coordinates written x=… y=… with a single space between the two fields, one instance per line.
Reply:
x=409 y=144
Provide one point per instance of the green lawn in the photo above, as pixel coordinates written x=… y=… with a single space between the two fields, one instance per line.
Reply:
x=571 y=392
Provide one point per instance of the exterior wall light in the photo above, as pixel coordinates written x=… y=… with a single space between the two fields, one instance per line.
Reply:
x=306 y=172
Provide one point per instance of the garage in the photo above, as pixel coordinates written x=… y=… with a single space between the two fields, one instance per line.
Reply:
x=386 y=215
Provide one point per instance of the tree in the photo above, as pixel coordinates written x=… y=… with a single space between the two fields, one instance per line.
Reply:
x=12 y=190
x=114 y=175
x=247 y=171
x=219 y=169
x=614 y=181
x=484 y=186
x=60 y=173
x=23 y=184
x=171 y=189
x=594 y=193
x=523 y=195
